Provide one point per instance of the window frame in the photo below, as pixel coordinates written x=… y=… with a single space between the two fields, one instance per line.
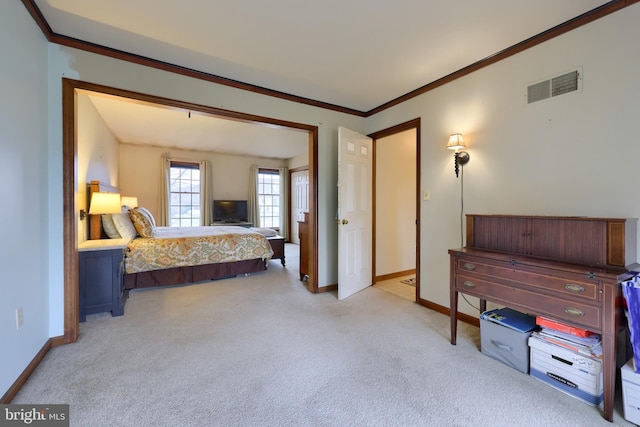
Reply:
x=184 y=221
x=262 y=206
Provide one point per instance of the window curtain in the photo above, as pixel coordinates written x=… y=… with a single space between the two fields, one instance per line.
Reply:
x=284 y=198
x=254 y=207
x=206 y=193
x=163 y=209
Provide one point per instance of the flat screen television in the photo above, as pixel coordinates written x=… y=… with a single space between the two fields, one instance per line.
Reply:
x=230 y=210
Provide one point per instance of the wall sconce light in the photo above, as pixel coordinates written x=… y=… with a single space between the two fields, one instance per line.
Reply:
x=102 y=203
x=461 y=158
x=130 y=201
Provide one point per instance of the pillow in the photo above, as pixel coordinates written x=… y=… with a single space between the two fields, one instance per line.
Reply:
x=266 y=232
x=142 y=223
x=145 y=212
x=110 y=227
x=124 y=225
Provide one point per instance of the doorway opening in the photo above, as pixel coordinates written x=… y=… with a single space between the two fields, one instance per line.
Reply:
x=71 y=212
x=299 y=203
x=396 y=213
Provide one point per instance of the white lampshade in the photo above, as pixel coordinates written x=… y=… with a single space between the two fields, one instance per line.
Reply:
x=456 y=142
x=129 y=201
x=104 y=203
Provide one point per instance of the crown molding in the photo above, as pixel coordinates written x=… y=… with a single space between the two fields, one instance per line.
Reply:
x=590 y=16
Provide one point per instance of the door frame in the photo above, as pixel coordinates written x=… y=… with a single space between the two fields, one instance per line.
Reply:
x=409 y=125
x=69 y=178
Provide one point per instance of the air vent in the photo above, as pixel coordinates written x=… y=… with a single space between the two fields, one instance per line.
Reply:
x=555 y=86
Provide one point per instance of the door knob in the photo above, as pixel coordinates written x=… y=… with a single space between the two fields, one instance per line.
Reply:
x=344 y=221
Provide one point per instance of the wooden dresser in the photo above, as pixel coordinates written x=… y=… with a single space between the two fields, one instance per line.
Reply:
x=303 y=234
x=565 y=268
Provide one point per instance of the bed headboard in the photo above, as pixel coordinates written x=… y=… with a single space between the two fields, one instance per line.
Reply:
x=95 y=221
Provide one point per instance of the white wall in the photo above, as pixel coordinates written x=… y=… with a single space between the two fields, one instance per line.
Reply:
x=140 y=171
x=24 y=222
x=97 y=155
x=298 y=161
x=573 y=155
x=396 y=203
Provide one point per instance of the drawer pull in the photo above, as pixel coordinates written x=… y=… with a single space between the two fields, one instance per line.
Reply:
x=572 y=311
x=468 y=266
x=502 y=346
x=469 y=284
x=573 y=287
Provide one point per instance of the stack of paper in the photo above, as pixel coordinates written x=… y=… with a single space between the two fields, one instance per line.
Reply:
x=589 y=346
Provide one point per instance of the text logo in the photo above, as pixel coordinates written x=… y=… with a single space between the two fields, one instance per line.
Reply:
x=34 y=415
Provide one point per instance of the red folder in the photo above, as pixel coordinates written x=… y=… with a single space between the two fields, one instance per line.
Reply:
x=552 y=324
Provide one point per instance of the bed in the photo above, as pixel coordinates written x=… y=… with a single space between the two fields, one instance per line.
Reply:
x=162 y=256
x=192 y=254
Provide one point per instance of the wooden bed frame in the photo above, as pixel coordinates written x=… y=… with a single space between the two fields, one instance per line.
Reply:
x=176 y=275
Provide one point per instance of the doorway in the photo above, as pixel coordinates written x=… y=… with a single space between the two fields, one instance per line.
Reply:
x=70 y=89
x=396 y=218
x=299 y=180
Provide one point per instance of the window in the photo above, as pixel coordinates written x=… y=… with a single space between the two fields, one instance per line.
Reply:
x=184 y=194
x=269 y=198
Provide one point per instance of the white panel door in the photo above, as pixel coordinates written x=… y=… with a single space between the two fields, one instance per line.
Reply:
x=355 y=192
x=299 y=201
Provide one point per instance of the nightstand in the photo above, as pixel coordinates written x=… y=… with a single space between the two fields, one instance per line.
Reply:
x=277 y=245
x=100 y=279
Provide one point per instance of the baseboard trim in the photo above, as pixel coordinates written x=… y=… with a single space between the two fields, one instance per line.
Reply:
x=328 y=288
x=22 y=379
x=57 y=341
x=444 y=310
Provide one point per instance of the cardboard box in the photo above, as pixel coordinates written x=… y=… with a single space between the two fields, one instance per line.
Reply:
x=573 y=373
x=504 y=344
x=630 y=392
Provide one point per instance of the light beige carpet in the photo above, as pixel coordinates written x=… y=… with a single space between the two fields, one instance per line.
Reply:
x=263 y=351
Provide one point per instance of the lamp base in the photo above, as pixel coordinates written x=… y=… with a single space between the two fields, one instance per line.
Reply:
x=461 y=158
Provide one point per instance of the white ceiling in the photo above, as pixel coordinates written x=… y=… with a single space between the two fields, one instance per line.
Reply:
x=148 y=124
x=357 y=54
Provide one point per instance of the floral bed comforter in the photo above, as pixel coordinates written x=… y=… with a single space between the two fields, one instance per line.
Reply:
x=185 y=246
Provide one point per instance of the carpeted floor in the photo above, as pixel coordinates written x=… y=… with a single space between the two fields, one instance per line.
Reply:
x=263 y=351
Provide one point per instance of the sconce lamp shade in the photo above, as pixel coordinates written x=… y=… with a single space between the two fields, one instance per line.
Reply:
x=130 y=201
x=104 y=203
x=456 y=142
x=461 y=158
